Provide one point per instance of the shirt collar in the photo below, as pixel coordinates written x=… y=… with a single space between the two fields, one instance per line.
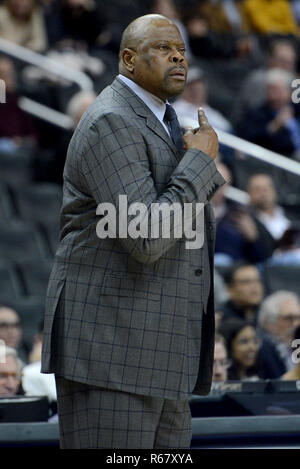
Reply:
x=155 y=104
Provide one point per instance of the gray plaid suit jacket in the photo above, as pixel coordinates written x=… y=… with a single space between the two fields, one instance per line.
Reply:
x=117 y=310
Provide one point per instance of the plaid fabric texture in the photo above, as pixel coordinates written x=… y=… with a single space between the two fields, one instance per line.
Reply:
x=135 y=315
x=91 y=417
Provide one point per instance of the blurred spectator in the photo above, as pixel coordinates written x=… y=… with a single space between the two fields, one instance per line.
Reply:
x=22 y=22
x=245 y=289
x=78 y=104
x=221 y=362
x=270 y=17
x=195 y=95
x=294 y=373
x=237 y=237
x=117 y=17
x=76 y=20
x=287 y=248
x=216 y=29
x=10 y=327
x=274 y=125
x=278 y=317
x=16 y=127
x=223 y=17
x=270 y=217
x=282 y=55
x=34 y=382
x=10 y=373
x=76 y=107
x=242 y=346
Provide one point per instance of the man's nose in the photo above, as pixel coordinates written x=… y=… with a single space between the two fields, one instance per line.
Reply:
x=177 y=57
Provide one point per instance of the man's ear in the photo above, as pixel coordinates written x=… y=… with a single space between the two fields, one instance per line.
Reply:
x=128 y=58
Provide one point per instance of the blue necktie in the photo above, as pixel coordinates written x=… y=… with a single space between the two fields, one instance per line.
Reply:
x=174 y=127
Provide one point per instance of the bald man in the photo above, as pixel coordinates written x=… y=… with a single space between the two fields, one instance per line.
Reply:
x=129 y=324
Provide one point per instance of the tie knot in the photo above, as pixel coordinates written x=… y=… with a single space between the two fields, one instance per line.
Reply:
x=170 y=114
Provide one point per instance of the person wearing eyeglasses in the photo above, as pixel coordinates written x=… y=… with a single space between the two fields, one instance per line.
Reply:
x=278 y=318
x=243 y=345
x=10 y=373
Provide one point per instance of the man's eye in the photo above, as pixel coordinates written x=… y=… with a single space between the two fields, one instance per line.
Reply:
x=182 y=50
x=163 y=47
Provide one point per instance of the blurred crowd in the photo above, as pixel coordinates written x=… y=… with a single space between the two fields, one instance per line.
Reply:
x=244 y=66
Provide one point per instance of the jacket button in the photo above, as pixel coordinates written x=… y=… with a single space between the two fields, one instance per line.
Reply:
x=198 y=272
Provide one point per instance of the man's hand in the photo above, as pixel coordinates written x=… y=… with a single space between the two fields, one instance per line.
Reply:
x=204 y=138
x=283 y=116
x=245 y=225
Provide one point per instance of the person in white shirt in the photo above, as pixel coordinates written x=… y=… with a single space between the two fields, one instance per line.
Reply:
x=263 y=200
x=34 y=382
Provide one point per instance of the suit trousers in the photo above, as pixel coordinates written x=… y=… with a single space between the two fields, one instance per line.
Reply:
x=91 y=417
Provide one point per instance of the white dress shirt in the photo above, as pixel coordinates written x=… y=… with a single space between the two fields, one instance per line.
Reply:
x=155 y=104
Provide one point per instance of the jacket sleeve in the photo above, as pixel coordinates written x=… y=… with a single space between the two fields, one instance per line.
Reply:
x=115 y=162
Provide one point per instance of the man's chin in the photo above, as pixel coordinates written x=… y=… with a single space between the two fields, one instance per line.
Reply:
x=174 y=91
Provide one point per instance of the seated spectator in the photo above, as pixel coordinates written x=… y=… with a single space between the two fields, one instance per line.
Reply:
x=245 y=289
x=282 y=55
x=10 y=329
x=287 y=250
x=275 y=124
x=270 y=17
x=269 y=216
x=22 y=22
x=16 y=127
x=278 y=317
x=221 y=362
x=34 y=382
x=10 y=373
x=237 y=236
x=194 y=96
x=242 y=346
x=294 y=373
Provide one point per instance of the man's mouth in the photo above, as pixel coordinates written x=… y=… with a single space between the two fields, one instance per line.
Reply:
x=178 y=73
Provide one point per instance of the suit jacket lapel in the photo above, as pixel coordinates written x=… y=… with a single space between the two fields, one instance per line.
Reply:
x=142 y=110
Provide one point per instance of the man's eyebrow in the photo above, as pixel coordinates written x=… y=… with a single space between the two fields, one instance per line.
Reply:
x=168 y=41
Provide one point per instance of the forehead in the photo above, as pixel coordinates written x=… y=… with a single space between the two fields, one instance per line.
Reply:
x=248 y=272
x=161 y=32
x=7 y=313
x=9 y=365
x=247 y=331
x=220 y=349
x=290 y=305
x=260 y=181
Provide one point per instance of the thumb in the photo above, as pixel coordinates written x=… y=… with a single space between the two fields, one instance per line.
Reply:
x=202 y=119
